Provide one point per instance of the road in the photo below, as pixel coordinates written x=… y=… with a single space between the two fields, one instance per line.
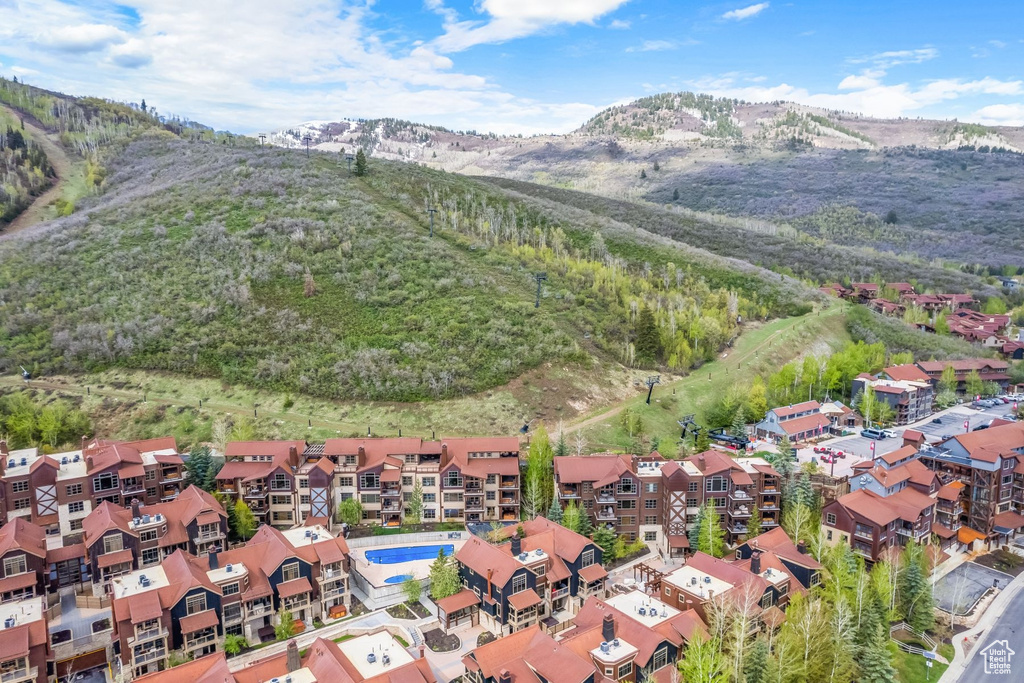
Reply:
x=858 y=448
x=37 y=212
x=1009 y=626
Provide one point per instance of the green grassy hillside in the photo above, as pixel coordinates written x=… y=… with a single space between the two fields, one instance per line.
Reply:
x=272 y=270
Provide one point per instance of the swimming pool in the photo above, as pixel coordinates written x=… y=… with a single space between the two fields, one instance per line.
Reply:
x=401 y=578
x=407 y=554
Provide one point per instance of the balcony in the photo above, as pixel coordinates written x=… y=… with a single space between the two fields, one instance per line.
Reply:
x=474 y=488
x=769 y=522
x=296 y=603
x=769 y=491
x=199 y=641
x=865 y=533
x=148 y=656
x=257 y=609
x=391 y=492
x=606 y=497
x=149 y=634
x=227 y=490
x=568 y=492
x=391 y=506
x=207 y=536
x=332 y=593
x=509 y=483
x=741 y=512
x=559 y=592
x=23 y=674
x=738 y=529
x=255 y=492
x=769 y=505
x=474 y=504
x=171 y=476
x=232 y=617
x=509 y=500
x=740 y=494
x=168 y=495
x=606 y=514
x=910 y=532
x=331 y=575
x=862 y=551
x=131 y=489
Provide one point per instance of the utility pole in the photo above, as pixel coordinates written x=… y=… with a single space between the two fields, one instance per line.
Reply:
x=307 y=139
x=431 y=211
x=539 y=277
x=349 y=158
x=262 y=137
x=651 y=381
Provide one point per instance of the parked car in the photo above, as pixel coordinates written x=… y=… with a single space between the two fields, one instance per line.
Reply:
x=890 y=433
x=937 y=421
x=1010 y=416
x=870 y=433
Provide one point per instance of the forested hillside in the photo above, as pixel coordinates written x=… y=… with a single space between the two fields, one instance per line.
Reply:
x=277 y=271
x=24 y=170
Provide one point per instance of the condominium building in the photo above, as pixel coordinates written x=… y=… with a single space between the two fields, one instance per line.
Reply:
x=797 y=422
x=25 y=652
x=374 y=657
x=58 y=491
x=119 y=540
x=549 y=572
x=23 y=554
x=906 y=389
x=461 y=479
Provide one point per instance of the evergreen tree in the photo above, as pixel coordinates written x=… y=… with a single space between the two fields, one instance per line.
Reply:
x=555 y=511
x=561 y=446
x=143 y=107
x=739 y=423
x=245 y=520
x=803 y=492
x=754 y=524
x=648 y=341
x=415 y=515
x=199 y=466
x=586 y=526
x=656 y=167
x=917 y=604
x=876 y=659
x=712 y=536
x=702 y=442
x=605 y=538
x=360 y=162
x=757 y=401
x=693 y=533
x=444 y=576
x=540 y=470
x=755 y=668
x=643 y=174
x=675 y=195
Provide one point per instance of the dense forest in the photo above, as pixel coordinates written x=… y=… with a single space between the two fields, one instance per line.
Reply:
x=25 y=172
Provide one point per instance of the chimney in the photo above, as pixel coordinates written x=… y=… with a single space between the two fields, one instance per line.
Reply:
x=361 y=453
x=608 y=628
x=422 y=648
x=444 y=454
x=136 y=509
x=293 y=456
x=84 y=440
x=801 y=547
x=755 y=562
x=517 y=544
x=490 y=572
x=293 y=661
x=504 y=676
x=214 y=564
x=3 y=448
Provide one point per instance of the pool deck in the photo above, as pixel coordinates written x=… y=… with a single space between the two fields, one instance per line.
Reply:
x=376 y=574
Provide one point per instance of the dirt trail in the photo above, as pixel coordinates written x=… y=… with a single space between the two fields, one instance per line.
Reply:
x=61 y=163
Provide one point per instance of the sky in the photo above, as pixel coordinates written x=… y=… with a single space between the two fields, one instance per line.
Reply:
x=517 y=66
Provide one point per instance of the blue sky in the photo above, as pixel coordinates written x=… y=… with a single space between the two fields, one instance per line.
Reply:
x=518 y=66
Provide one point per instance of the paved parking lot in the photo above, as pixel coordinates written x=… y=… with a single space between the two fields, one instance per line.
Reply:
x=961 y=588
x=858 y=448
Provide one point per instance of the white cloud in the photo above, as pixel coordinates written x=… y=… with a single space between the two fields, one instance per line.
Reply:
x=858 y=82
x=132 y=54
x=509 y=19
x=81 y=38
x=997 y=44
x=745 y=12
x=619 y=24
x=1000 y=115
x=653 y=46
x=887 y=60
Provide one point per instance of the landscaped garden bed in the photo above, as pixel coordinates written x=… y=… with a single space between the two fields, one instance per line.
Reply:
x=406 y=610
x=438 y=641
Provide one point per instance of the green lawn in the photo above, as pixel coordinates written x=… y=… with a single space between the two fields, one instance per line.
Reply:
x=911 y=668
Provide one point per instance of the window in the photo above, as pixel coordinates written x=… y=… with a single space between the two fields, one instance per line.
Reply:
x=75 y=524
x=651 y=504
x=369 y=480
x=15 y=565
x=454 y=497
x=430 y=513
x=453 y=478
x=304 y=499
x=195 y=603
x=828 y=535
x=491 y=495
x=650 y=536
x=692 y=487
x=588 y=504
x=345 y=481
x=718 y=502
x=406 y=481
x=290 y=571
x=411 y=459
x=626 y=486
x=150 y=556
x=150 y=475
x=830 y=519
x=691 y=502
x=668 y=592
x=492 y=479
x=588 y=558
x=280 y=482
x=650 y=519
x=518 y=583
x=345 y=496
x=303 y=483
x=282 y=515
x=1007 y=464
x=76 y=506
x=350 y=460
x=232 y=611
x=280 y=500
x=432 y=498
x=1007 y=478
x=766 y=600
x=19 y=486
x=652 y=487
x=22 y=503
x=370 y=498
x=625 y=669
x=147 y=536
x=104 y=482
x=627 y=505
x=716 y=484
x=230 y=588
x=815 y=579
x=660 y=658
x=428 y=482
x=628 y=520
x=588 y=487
x=151 y=492
x=73 y=489
x=112 y=544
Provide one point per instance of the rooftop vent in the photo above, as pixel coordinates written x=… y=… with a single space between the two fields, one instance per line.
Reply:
x=308 y=533
x=11 y=463
x=64 y=460
x=145 y=519
x=227 y=568
x=10 y=622
x=522 y=556
x=371 y=657
x=693 y=580
x=385 y=659
x=616 y=642
x=604 y=646
x=539 y=552
x=144 y=581
x=24 y=461
x=75 y=459
x=707 y=579
x=643 y=611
